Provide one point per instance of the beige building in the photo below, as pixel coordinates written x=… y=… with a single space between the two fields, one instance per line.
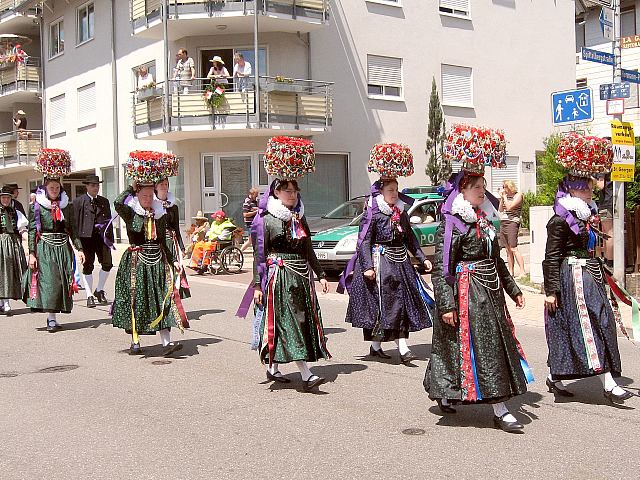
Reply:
x=347 y=73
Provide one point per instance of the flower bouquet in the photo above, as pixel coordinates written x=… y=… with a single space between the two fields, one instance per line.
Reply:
x=583 y=156
x=476 y=147
x=213 y=95
x=53 y=162
x=391 y=160
x=289 y=157
x=147 y=167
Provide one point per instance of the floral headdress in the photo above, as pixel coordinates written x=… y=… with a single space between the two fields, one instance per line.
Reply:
x=289 y=157
x=147 y=167
x=391 y=160
x=584 y=156
x=476 y=147
x=53 y=162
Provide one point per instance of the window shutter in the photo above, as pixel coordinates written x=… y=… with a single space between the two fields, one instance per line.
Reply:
x=87 y=105
x=457 y=86
x=499 y=175
x=385 y=71
x=455 y=5
x=57 y=115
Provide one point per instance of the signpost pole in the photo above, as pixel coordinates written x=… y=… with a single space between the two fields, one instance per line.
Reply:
x=618 y=187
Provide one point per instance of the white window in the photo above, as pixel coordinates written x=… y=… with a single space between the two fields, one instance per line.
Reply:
x=580 y=34
x=57 y=115
x=628 y=22
x=457 y=86
x=456 y=7
x=384 y=76
x=85 y=22
x=87 y=105
x=581 y=83
x=56 y=38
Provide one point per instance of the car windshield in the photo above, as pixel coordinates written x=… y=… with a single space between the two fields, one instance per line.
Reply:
x=347 y=211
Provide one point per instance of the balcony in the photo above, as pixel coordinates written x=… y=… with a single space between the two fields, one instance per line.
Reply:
x=15 y=18
x=201 y=17
x=287 y=107
x=18 y=150
x=19 y=82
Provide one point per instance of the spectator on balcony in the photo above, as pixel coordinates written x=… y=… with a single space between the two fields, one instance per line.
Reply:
x=218 y=72
x=19 y=54
x=241 y=72
x=145 y=79
x=20 y=121
x=184 y=72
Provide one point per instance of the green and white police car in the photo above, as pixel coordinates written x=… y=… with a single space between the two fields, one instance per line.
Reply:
x=335 y=246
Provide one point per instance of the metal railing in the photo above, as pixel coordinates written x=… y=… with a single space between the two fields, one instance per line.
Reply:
x=20 y=76
x=284 y=102
x=11 y=6
x=19 y=147
x=150 y=10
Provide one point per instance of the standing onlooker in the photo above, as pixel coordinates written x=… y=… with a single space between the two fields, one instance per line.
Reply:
x=20 y=120
x=145 y=79
x=511 y=206
x=605 y=210
x=249 y=211
x=184 y=72
x=241 y=72
x=16 y=191
x=218 y=71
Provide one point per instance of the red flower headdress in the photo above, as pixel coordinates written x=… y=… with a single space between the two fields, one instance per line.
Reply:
x=53 y=162
x=583 y=156
x=145 y=166
x=289 y=157
x=476 y=147
x=391 y=160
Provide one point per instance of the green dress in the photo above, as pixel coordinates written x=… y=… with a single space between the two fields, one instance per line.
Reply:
x=290 y=326
x=52 y=287
x=144 y=282
x=13 y=263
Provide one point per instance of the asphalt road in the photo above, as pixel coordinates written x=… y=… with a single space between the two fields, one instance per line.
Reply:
x=75 y=405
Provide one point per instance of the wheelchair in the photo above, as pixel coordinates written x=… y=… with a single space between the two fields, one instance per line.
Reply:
x=223 y=256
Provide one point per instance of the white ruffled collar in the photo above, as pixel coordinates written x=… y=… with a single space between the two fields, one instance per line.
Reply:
x=384 y=207
x=158 y=209
x=43 y=200
x=574 y=204
x=169 y=202
x=278 y=210
x=463 y=209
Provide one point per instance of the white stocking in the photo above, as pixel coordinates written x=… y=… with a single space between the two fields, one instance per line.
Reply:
x=403 y=348
x=274 y=369
x=51 y=319
x=88 y=284
x=304 y=370
x=500 y=409
x=165 y=336
x=610 y=384
x=102 y=279
x=7 y=306
x=377 y=346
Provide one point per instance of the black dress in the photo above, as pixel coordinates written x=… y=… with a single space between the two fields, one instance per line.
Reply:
x=174 y=237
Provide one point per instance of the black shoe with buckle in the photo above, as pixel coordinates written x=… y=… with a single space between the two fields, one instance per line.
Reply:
x=445 y=408
x=312 y=382
x=277 y=378
x=377 y=353
x=509 y=427
x=53 y=327
x=91 y=302
x=135 y=349
x=101 y=297
x=407 y=358
x=556 y=390
x=170 y=348
x=614 y=398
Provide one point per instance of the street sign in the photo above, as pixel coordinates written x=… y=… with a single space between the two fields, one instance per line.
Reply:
x=622 y=133
x=630 y=76
x=632 y=41
x=624 y=151
x=615 y=90
x=572 y=106
x=615 y=106
x=598 y=56
x=606 y=22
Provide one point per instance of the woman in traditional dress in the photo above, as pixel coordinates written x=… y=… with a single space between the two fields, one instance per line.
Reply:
x=174 y=237
x=13 y=263
x=475 y=356
x=49 y=282
x=580 y=316
x=291 y=323
x=385 y=295
x=145 y=279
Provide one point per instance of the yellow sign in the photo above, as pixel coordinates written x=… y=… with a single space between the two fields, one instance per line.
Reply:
x=622 y=133
x=622 y=173
x=632 y=41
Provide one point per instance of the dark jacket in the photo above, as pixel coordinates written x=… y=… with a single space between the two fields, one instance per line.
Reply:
x=88 y=216
x=18 y=206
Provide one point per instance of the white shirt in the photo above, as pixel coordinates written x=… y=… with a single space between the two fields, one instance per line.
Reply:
x=245 y=70
x=145 y=81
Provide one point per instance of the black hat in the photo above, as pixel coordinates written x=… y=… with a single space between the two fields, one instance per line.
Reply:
x=12 y=186
x=7 y=190
x=91 y=179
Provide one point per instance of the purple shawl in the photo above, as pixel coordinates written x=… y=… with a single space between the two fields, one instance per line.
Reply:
x=563 y=191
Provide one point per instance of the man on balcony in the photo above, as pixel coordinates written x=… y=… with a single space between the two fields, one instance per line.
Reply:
x=241 y=72
x=184 y=72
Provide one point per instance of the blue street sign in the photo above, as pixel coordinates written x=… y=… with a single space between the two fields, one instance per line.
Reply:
x=630 y=76
x=572 y=106
x=615 y=90
x=606 y=22
x=598 y=56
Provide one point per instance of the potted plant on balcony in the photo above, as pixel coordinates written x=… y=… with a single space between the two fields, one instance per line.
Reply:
x=281 y=83
x=214 y=95
x=148 y=92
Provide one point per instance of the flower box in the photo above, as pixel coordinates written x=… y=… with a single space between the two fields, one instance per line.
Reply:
x=284 y=87
x=149 y=93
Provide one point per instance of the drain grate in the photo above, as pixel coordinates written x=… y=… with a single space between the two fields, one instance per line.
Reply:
x=8 y=375
x=161 y=362
x=58 y=369
x=413 y=431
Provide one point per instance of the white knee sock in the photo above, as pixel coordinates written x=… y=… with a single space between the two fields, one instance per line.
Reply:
x=273 y=369
x=165 y=336
x=402 y=345
x=7 y=306
x=377 y=346
x=500 y=409
x=88 y=284
x=51 y=319
x=610 y=385
x=304 y=370
x=102 y=279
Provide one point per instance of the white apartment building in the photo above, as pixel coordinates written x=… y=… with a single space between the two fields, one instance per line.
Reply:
x=589 y=34
x=346 y=73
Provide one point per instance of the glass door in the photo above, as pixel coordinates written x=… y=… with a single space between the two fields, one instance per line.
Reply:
x=235 y=181
x=210 y=185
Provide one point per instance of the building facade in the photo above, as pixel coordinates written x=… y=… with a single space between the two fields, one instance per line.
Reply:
x=347 y=73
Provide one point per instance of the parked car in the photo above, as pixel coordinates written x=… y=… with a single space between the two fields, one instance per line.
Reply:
x=343 y=214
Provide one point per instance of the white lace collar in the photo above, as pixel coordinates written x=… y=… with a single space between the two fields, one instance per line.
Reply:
x=158 y=209
x=169 y=202
x=384 y=207
x=577 y=205
x=278 y=210
x=464 y=209
x=43 y=201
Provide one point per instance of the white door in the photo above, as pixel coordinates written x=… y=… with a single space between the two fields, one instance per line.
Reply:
x=226 y=180
x=211 y=200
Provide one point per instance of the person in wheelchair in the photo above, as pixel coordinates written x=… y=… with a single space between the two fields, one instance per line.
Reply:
x=220 y=232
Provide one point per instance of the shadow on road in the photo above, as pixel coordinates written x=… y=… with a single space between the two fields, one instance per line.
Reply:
x=331 y=331
x=329 y=372
x=77 y=325
x=198 y=314
x=589 y=391
x=190 y=347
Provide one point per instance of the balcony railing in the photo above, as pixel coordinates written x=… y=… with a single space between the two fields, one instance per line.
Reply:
x=20 y=76
x=10 y=7
x=146 y=11
x=284 y=104
x=19 y=147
